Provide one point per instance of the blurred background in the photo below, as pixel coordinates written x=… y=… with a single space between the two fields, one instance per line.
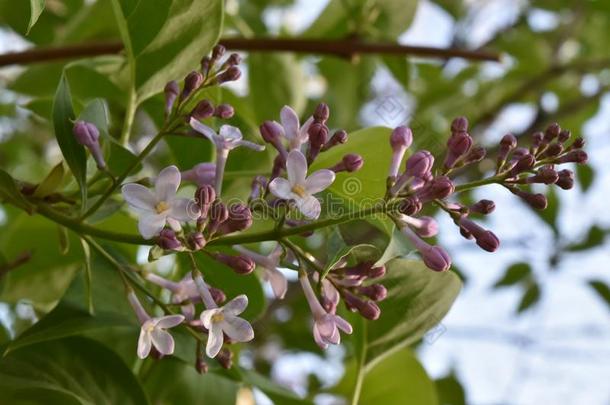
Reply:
x=532 y=322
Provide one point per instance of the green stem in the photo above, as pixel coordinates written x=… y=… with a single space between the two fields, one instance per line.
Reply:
x=130 y=113
x=119 y=180
x=479 y=183
x=361 y=366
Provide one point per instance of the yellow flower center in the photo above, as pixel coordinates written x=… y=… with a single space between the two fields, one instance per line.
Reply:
x=299 y=190
x=218 y=317
x=150 y=327
x=162 y=206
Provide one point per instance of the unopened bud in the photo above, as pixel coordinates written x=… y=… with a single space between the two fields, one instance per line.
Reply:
x=233 y=60
x=508 y=143
x=321 y=113
x=88 y=135
x=578 y=143
x=537 y=140
x=438 y=188
x=205 y=63
x=475 y=155
x=201 y=366
x=563 y=136
x=218 y=52
x=376 y=292
x=410 y=205
x=204 y=109
x=240 y=219
x=419 y=164
x=168 y=240
x=551 y=132
x=192 y=82
x=436 y=258
x=196 y=241
x=225 y=358
x=483 y=207
x=350 y=163
x=338 y=138
x=240 y=264
x=218 y=215
x=224 y=111
x=457 y=146
x=487 y=240
x=524 y=163
x=565 y=179
x=205 y=197
x=460 y=124
x=554 y=149
x=536 y=201
x=401 y=138
x=318 y=135
x=574 y=156
x=230 y=75
x=217 y=295
x=370 y=310
x=545 y=175
x=171 y=91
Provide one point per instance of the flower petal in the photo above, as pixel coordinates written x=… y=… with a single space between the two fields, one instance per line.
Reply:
x=319 y=180
x=343 y=325
x=296 y=167
x=290 y=122
x=150 y=225
x=169 y=321
x=215 y=340
x=139 y=197
x=144 y=344
x=163 y=341
x=251 y=145
x=236 y=306
x=203 y=129
x=281 y=188
x=184 y=210
x=238 y=329
x=326 y=326
x=303 y=131
x=206 y=317
x=279 y=283
x=167 y=183
x=318 y=338
x=231 y=133
x=309 y=206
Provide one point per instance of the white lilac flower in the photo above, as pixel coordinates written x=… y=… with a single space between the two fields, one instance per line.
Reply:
x=299 y=187
x=227 y=139
x=158 y=207
x=326 y=325
x=224 y=320
x=270 y=264
x=152 y=331
x=293 y=131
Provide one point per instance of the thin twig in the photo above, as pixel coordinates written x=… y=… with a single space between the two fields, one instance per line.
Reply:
x=347 y=48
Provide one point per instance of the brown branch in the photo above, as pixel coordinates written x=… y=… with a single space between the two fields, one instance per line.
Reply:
x=347 y=48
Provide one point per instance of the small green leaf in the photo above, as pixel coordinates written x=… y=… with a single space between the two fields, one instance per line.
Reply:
x=602 y=289
x=9 y=191
x=516 y=273
x=73 y=152
x=585 y=175
x=52 y=182
x=36 y=8
x=64 y=240
x=399 y=246
x=450 y=390
x=530 y=297
x=88 y=276
x=595 y=237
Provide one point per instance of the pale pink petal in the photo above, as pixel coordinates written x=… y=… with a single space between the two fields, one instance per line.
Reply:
x=326 y=326
x=281 y=188
x=236 y=306
x=206 y=317
x=318 y=338
x=330 y=292
x=169 y=321
x=238 y=329
x=144 y=344
x=163 y=341
x=203 y=129
x=309 y=206
x=188 y=311
x=290 y=122
x=184 y=210
x=335 y=337
x=343 y=324
x=150 y=225
x=296 y=167
x=303 y=131
x=215 y=340
x=231 y=133
x=167 y=183
x=279 y=283
x=319 y=180
x=251 y=145
x=139 y=197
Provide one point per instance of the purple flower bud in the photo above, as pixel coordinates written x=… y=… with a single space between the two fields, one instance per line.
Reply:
x=202 y=174
x=318 y=135
x=217 y=295
x=230 y=75
x=439 y=188
x=240 y=219
x=425 y=227
x=460 y=124
x=259 y=184
x=338 y=138
x=419 y=165
x=554 y=149
x=551 y=132
x=508 y=143
x=376 y=292
x=476 y=154
x=401 y=138
x=436 y=258
x=375 y=272
x=350 y=163
x=88 y=135
x=205 y=197
x=171 y=91
x=192 y=82
x=536 y=201
x=205 y=63
x=240 y=264
x=457 y=146
x=575 y=156
x=233 y=60
x=224 y=111
x=563 y=136
x=225 y=358
x=545 y=175
x=483 y=207
x=196 y=241
x=279 y=164
x=410 y=206
x=218 y=52
x=272 y=133
x=204 y=109
x=485 y=239
x=537 y=140
x=524 y=163
x=321 y=113
x=565 y=179
x=168 y=240
x=218 y=215
x=578 y=143
x=370 y=310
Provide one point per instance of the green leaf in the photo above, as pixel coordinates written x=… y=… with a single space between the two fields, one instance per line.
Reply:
x=9 y=191
x=516 y=273
x=450 y=390
x=36 y=8
x=595 y=237
x=602 y=290
x=164 y=40
x=399 y=246
x=400 y=69
x=73 y=152
x=585 y=175
x=337 y=250
x=398 y=380
x=52 y=182
x=277 y=393
x=530 y=297
x=417 y=300
x=68 y=371
x=275 y=80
